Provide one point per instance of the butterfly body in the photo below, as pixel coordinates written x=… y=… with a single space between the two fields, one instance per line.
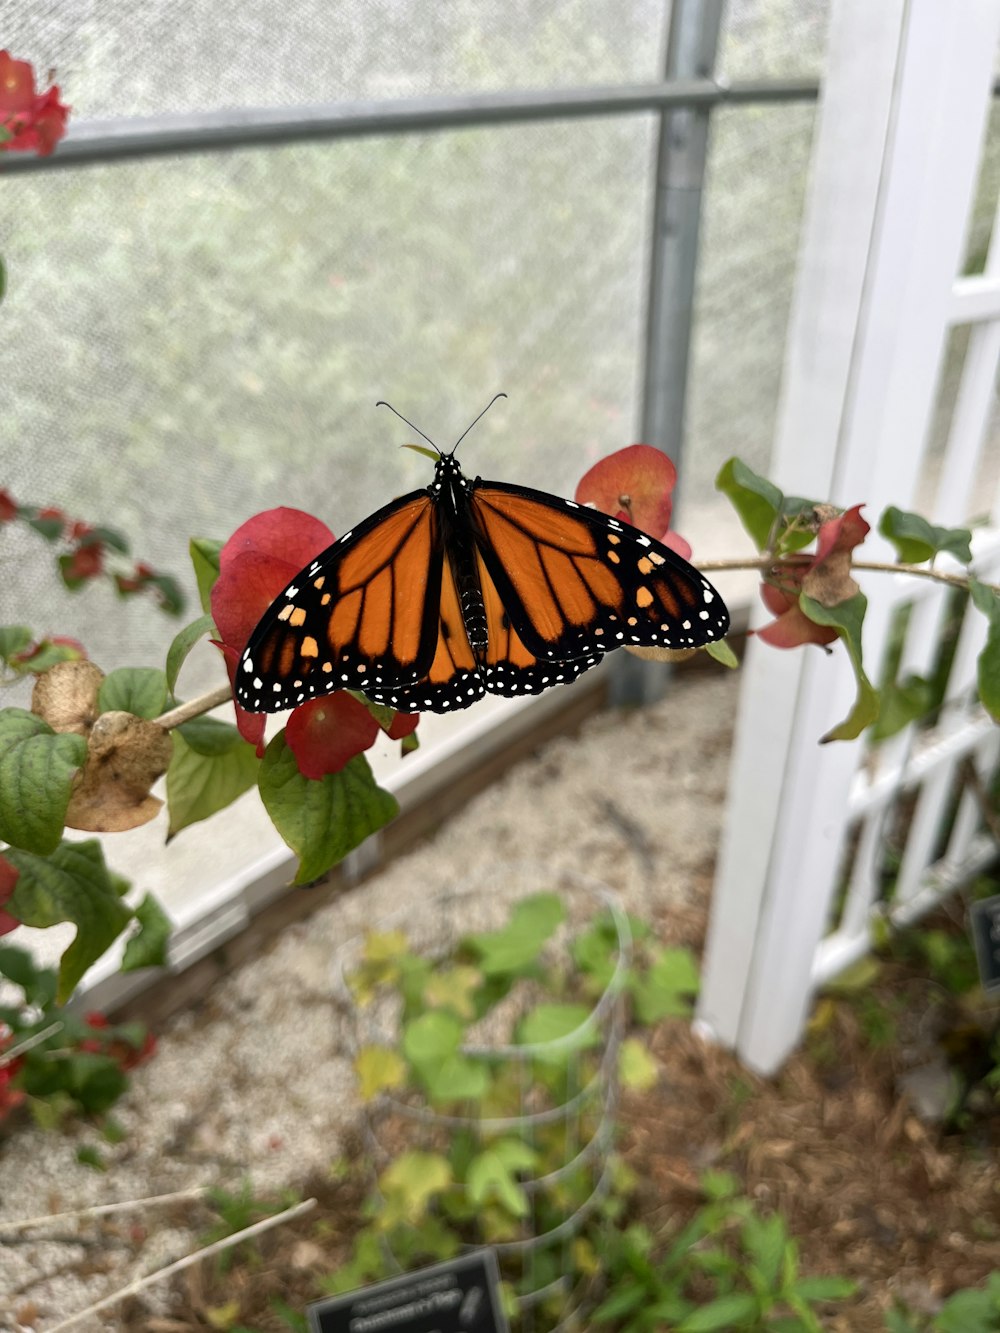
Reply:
x=468 y=587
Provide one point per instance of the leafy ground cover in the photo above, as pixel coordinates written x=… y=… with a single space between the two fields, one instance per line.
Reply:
x=870 y=1192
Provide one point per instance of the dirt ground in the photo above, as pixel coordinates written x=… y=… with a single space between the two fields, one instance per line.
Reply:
x=256 y=1083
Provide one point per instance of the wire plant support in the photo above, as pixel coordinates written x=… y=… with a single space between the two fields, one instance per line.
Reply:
x=577 y=1131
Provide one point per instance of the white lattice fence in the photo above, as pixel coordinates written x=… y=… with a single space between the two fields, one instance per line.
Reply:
x=803 y=865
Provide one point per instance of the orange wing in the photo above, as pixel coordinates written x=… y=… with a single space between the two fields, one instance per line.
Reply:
x=364 y=615
x=574 y=582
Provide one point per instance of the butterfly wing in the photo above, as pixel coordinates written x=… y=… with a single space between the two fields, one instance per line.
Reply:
x=453 y=679
x=365 y=615
x=574 y=582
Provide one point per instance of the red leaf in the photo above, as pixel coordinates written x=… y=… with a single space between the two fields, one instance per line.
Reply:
x=793 y=628
x=249 y=725
x=243 y=592
x=86 y=562
x=17 y=85
x=8 y=507
x=34 y=121
x=636 y=483
x=403 y=724
x=287 y=535
x=8 y=883
x=325 y=734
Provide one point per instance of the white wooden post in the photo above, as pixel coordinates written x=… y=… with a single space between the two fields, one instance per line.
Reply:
x=894 y=170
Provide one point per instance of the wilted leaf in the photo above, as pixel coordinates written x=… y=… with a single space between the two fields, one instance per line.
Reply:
x=125 y=756
x=66 y=696
x=378 y=1068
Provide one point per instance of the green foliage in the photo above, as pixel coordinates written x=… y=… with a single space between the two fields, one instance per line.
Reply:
x=974 y=1310
x=37 y=769
x=748 y=1262
x=917 y=541
x=484 y=1183
x=141 y=691
x=988 y=664
x=321 y=820
x=211 y=766
x=237 y=1210
x=55 y=1062
x=847 y=619
x=770 y=517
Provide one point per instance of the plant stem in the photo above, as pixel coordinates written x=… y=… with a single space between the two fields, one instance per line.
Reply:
x=185 y=712
x=876 y=566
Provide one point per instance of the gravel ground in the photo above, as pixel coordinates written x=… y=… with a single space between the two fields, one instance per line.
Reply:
x=258 y=1083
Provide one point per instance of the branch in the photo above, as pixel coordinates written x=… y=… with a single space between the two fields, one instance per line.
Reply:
x=140 y=1282
x=766 y=562
x=185 y=712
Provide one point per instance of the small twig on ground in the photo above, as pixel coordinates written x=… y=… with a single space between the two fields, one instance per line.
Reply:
x=100 y=1209
x=226 y=1243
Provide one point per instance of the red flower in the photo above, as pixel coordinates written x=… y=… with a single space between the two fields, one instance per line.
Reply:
x=8 y=883
x=8 y=507
x=135 y=581
x=259 y=560
x=636 y=485
x=29 y=121
x=825 y=577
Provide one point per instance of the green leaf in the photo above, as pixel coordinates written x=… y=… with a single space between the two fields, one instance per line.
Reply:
x=902 y=703
x=517 y=945
x=171 y=598
x=724 y=1312
x=148 y=946
x=184 y=641
x=432 y=1037
x=988 y=665
x=916 y=540
x=14 y=639
x=409 y=1183
x=138 y=690
x=668 y=986
x=322 y=821
x=46 y=655
x=847 y=618
x=490 y=1180
x=18 y=966
x=202 y=781
x=756 y=500
x=452 y=988
x=629 y=1296
x=73 y=884
x=722 y=652
x=51 y=529
x=636 y=1067
x=37 y=769
x=205 y=559
x=815 y=1289
x=456 y=1078
x=565 y=1024
x=764 y=1240
x=378 y=1068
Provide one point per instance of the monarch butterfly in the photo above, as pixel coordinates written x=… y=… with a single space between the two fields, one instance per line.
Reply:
x=466 y=587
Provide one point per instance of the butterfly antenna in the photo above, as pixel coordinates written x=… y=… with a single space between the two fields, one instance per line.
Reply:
x=382 y=403
x=481 y=415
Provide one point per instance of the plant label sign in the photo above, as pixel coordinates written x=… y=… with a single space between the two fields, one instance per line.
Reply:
x=985 y=916
x=460 y=1296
